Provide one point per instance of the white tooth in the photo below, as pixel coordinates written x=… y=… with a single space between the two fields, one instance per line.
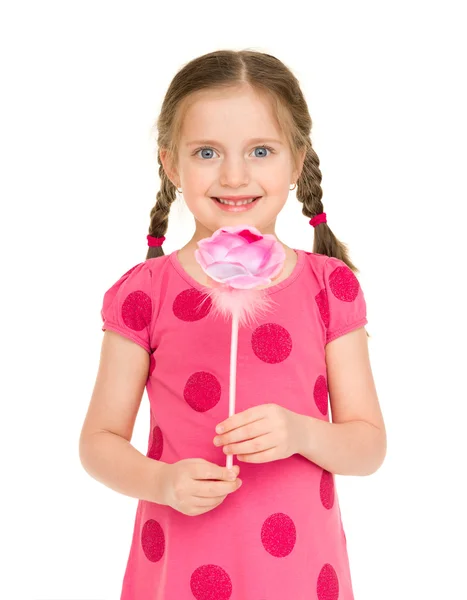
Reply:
x=232 y=203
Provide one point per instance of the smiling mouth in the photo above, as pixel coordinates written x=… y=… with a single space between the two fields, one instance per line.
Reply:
x=239 y=203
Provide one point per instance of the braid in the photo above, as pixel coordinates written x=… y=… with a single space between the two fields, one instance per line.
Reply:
x=160 y=211
x=310 y=193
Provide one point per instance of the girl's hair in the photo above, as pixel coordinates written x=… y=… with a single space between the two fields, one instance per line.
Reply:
x=269 y=77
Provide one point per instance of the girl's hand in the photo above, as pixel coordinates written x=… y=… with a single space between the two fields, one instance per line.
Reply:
x=194 y=486
x=260 y=434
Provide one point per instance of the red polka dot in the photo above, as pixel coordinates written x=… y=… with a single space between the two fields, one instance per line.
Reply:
x=320 y=394
x=137 y=310
x=202 y=391
x=278 y=535
x=271 y=343
x=323 y=305
x=326 y=489
x=211 y=582
x=327 y=586
x=152 y=364
x=153 y=540
x=191 y=305
x=344 y=284
x=157 y=444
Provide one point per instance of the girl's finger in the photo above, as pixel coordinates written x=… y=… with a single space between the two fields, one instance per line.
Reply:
x=246 y=432
x=258 y=457
x=258 y=444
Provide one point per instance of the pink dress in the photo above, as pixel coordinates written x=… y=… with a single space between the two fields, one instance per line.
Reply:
x=279 y=536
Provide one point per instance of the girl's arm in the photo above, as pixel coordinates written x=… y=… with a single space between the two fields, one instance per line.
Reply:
x=354 y=443
x=112 y=460
x=104 y=447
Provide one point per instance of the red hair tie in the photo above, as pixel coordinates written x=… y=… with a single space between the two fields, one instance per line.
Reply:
x=317 y=219
x=155 y=241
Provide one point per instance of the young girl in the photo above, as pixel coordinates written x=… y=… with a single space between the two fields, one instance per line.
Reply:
x=234 y=133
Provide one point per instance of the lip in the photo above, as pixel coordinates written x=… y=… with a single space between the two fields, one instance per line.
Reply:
x=236 y=198
x=230 y=208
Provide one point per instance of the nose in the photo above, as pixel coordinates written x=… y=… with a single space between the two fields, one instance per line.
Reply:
x=234 y=173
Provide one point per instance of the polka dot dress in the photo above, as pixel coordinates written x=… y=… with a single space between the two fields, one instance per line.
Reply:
x=280 y=536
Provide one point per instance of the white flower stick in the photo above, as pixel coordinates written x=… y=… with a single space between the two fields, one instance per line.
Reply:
x=239 y=260
x=233 y=375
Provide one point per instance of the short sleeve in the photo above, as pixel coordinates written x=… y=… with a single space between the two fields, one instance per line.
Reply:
x=341 y=302
x=127 y=307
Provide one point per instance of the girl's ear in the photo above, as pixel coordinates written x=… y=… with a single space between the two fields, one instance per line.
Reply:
x=301 y=160
x=169 y=169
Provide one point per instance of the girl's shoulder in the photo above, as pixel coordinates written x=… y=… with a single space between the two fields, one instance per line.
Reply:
x=338 y=295
x=323 y=265
x=142 y=275
x=130 y=304
x=316 y=264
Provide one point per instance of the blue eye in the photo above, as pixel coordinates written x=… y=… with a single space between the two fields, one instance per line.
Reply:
x=264 y=147
x=202 y=149
x=257 y=147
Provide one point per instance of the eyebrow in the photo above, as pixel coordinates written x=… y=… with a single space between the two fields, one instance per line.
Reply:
x=252 y=141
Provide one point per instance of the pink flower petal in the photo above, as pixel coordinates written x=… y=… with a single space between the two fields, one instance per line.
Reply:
x=216 y=250
x=267 y=247
x=204 y=257
x=223 y=234
x=220 y=246
x=276 y=257
x=249 y=236
x=251 y=256
x=220 y=271
x=278 y=253
x=229 y=241
x=240 y=256
x=237 y=229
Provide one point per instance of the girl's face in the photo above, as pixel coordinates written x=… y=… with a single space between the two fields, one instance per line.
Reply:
x=245 y=155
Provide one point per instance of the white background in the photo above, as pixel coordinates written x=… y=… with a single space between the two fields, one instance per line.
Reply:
x=82 y=86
